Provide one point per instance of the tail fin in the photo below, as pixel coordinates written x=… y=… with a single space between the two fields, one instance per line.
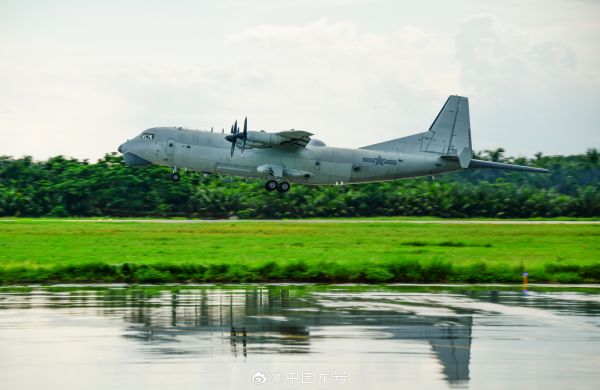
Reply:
x=449 y=136
x=452 y=138
x=450 y=132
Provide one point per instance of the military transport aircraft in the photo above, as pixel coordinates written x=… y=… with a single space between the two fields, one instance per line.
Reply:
x=294 y=156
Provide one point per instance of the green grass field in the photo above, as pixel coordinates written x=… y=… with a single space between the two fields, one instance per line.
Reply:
x=38 y=251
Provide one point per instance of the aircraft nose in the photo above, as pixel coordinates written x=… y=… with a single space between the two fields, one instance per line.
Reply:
x=120 y=148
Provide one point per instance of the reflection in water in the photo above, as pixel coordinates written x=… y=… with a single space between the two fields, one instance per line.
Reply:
x=246 y=322
x=277 y=319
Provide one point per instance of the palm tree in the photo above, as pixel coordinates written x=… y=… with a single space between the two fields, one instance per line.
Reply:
x=496 y=155
x=593 y=156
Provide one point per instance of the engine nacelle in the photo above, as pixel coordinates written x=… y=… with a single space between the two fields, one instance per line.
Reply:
x=258 y=139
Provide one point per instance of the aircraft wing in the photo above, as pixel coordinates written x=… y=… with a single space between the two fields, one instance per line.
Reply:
x=297 y=137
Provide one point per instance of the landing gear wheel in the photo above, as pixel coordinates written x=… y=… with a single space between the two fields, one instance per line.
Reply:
x=270 y=185
x=175 y=177
x=284 y=186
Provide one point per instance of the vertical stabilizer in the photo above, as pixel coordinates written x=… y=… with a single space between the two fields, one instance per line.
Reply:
x=448 y=137
x=450 y=133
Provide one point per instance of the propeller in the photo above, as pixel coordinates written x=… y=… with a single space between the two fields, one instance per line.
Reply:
x=235 y=135
x=245 y=134
x=235 y=131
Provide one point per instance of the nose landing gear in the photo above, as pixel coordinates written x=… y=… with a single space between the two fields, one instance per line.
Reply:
x=272 y=185
x=175 y=176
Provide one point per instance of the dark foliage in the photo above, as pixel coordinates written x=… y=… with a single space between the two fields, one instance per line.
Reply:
x=68 y=187
x=325 y=272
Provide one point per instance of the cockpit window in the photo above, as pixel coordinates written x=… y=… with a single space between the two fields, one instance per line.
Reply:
x=147 y=136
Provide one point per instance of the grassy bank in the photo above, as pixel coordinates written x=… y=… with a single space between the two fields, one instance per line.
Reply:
x=35 y=251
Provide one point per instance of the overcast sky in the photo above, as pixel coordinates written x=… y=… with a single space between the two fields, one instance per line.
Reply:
x=79 y=77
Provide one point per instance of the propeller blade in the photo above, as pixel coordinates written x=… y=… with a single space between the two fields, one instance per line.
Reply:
x=245 y=134
x=236 y=129
x=233 y=147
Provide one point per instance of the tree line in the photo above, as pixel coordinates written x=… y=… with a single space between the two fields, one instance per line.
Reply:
x=63 y=187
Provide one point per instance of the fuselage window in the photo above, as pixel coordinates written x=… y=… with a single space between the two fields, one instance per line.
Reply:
x=147 y=136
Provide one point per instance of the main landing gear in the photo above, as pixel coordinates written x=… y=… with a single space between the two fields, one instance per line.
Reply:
x=271 y=185
x=282 y=187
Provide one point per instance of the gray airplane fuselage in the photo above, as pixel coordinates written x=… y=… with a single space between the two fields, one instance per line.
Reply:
x=205 y=151
x=293 y=156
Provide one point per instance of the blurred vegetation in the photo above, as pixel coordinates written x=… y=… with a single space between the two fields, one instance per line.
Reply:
x=62 y=187
x=324 y=272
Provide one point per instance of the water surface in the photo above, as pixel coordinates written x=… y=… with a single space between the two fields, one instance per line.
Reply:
x=298 y=336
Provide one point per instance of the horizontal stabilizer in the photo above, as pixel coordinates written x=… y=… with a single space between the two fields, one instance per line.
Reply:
x=478 y=164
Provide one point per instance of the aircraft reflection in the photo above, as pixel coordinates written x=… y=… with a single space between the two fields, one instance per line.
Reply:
x=383 y=336
x=280 y=319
